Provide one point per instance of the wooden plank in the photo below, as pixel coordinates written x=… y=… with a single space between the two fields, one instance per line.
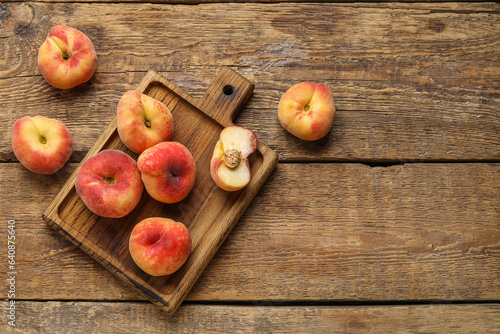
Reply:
x=411 y=81
x=314 y=232
x=85 y=317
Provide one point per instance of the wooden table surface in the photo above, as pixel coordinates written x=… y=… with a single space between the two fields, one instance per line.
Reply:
x=390 y=224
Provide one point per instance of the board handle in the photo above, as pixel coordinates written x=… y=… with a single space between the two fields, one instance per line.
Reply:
x=225 y=96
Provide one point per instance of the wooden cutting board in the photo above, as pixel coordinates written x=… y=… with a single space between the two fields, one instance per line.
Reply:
x=209 y=212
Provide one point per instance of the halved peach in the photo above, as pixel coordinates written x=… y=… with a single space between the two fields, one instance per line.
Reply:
x=229 y=166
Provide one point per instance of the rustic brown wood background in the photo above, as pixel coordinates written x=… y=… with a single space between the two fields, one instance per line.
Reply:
x=390 y=224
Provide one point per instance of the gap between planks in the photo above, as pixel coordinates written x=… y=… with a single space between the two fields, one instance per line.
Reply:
x=280 y=303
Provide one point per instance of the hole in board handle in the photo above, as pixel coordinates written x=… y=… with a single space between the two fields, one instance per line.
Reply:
x=228 y=89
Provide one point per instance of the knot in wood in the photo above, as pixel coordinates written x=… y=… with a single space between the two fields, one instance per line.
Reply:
x=232 y=158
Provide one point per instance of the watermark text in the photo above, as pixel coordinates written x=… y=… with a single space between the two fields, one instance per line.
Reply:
x=11 y=273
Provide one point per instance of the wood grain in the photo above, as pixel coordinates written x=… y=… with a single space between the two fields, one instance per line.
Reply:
x=410 y=81
x=331 y=232
x=92 y=317
x=416 y=81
